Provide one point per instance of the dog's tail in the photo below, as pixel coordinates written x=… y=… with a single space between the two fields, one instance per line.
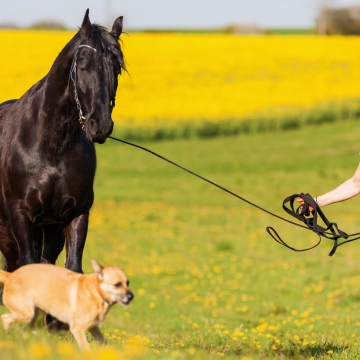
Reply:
x=3 y=276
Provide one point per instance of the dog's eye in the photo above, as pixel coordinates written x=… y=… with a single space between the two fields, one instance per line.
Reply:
x=118 y=284
x=127 y=283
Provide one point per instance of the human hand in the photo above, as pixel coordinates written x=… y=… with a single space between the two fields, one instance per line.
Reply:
x=301 y=201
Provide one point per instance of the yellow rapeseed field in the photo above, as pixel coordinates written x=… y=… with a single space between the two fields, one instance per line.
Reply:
x=180 y=77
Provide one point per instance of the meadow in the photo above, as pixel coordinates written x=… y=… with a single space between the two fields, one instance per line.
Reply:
x=209 y=282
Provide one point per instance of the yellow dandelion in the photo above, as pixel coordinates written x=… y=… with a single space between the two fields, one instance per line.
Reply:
x=40 y=349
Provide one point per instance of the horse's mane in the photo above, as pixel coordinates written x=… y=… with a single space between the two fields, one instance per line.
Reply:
x=108 y=43
x=109 y=50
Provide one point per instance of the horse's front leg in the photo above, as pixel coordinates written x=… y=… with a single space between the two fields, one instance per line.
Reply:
x=75 y=236
x=21 y=228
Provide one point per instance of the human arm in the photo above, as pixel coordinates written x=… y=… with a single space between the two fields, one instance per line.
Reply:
x=346 y=190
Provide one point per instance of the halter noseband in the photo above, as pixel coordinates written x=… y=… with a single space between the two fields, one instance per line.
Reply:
x=72 y=76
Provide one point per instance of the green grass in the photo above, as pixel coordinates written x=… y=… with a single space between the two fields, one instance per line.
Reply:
x=208 y=280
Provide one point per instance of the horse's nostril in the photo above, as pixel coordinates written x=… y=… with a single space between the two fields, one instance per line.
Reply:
x=98 y=131
x=93 y=127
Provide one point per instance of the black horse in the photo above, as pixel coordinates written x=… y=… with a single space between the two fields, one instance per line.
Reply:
x=47 y=152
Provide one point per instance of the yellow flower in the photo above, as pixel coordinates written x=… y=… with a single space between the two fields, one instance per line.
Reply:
x=191 y=351
x=141 y=292
x=6 y=345
x=64 y=348
x=39 y=349
x=297 y=74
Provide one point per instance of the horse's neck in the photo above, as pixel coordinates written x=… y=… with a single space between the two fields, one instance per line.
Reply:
x=60 y=115
x=56 y=89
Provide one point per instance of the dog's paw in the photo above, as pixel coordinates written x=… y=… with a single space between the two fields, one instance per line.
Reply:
x=7 y=320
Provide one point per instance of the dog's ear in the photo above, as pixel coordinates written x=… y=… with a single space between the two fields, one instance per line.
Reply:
x=97 y=267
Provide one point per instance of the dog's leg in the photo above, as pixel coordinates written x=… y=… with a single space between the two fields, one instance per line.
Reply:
x=26 y=315
x=7 y=320
x=80 y=337
x=98 y=335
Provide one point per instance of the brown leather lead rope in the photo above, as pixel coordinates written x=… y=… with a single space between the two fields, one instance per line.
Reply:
x=301 y=213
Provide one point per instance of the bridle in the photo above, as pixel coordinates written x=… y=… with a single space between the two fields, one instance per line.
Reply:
x=72 y=76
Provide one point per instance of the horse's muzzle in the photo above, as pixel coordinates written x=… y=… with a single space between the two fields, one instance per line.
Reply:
x=98 y=134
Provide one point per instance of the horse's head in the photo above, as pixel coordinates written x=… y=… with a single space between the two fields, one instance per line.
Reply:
x=98 y=60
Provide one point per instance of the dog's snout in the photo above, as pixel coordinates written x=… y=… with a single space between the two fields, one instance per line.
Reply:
x=129 y=296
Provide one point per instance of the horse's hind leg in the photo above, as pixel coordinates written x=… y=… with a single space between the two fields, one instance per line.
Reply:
x=54 y=241
x=38 y=242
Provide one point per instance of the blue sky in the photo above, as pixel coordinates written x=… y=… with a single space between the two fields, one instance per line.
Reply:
x=140 y=14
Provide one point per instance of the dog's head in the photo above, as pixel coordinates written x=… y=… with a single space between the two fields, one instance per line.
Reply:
x=113 y=284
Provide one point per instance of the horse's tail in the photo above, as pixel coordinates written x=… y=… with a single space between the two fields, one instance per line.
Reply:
x=4 y=276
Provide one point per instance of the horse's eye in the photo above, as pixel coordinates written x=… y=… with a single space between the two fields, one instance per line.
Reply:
x=118 y=284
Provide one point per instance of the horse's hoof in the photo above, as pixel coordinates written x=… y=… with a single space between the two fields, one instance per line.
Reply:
x=54 y=326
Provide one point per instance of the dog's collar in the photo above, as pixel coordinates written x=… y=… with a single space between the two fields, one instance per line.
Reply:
x=97 y=287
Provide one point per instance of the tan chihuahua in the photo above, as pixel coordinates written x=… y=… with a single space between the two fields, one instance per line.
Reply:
x=81 y=301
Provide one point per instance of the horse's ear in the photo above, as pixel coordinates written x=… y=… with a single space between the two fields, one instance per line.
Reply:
x=86 y=27
x=117 y=27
